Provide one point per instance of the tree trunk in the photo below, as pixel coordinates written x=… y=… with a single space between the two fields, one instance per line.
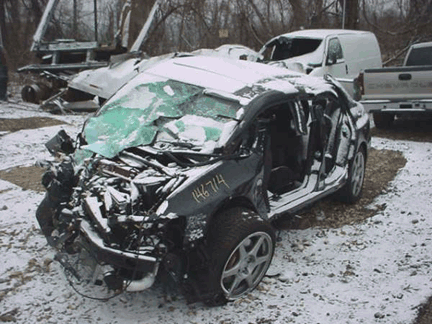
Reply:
x=300 y=17
x=140 y=10
x=351 y=13
x=262 y=19
x=2 y=24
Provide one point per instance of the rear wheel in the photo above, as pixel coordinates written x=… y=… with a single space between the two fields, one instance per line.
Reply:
x=241 y=247
x=383 y=120
x=352 y=190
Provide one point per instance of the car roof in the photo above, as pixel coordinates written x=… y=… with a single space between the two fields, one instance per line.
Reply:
x=321 y=33
x=232 y=77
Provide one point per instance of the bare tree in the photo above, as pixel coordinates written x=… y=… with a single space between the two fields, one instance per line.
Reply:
x=351 y=13
x=184 y=25
x=398 y=26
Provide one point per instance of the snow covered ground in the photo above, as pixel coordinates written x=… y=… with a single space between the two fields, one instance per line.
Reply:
x=375 y=272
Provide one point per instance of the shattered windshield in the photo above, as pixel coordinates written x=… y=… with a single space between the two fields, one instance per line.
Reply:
x=152 y=109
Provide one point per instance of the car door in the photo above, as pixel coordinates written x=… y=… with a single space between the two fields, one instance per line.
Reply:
x=329 y=134
x=334 y=134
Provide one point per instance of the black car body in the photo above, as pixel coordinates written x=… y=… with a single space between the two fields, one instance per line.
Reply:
x=182 y=171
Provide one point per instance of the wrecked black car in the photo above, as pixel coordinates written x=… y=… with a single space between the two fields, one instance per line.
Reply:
x=180 y=174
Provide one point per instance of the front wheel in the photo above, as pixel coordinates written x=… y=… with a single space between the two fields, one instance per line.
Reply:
x=352 y=190
x=241 y=247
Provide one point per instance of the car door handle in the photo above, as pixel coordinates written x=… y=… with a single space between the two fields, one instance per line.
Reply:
x=405 y=76
x=346 y=68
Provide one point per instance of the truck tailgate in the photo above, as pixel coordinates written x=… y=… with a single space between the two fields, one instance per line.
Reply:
x=400 y=83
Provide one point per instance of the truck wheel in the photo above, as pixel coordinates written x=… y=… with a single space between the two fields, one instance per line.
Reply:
x=383 y=120
x=241 y=247
x=352 y=190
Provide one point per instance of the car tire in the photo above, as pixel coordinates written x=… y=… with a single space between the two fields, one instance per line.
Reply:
x=351 y=192
x=383 y=121
x=241 y=247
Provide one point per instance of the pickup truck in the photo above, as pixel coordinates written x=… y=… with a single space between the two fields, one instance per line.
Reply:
x=399 y=91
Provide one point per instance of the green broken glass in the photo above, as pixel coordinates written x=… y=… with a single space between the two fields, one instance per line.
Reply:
x=142 y=110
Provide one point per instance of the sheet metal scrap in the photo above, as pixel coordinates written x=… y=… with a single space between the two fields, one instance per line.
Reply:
x=63 y=58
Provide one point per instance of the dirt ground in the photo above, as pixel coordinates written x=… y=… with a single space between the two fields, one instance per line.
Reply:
x=13 y=125
x=28 y=178
x=382 y=166
x=408 y=129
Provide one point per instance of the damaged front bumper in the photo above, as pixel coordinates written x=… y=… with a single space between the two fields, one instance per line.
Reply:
x=116 y=258
x=146 y=266
x=107 y=210
x=122 y=270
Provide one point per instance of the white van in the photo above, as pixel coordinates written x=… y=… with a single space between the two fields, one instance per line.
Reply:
x=341 y=53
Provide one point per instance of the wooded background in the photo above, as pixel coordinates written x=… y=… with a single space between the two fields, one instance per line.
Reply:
x=186 y=25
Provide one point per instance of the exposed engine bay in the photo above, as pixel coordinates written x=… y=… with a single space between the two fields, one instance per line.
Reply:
x=110 y=208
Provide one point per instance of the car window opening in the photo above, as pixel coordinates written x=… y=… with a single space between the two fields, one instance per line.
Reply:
x=419 y=56
x=334 y=51
x=290 y=154
x=287 y=148
x=285 y=48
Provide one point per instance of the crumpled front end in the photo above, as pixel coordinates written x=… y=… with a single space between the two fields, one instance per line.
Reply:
x=108 y=208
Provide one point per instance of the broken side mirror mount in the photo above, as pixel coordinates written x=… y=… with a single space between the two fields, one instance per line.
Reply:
x=331 y=59
x=61 y=143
